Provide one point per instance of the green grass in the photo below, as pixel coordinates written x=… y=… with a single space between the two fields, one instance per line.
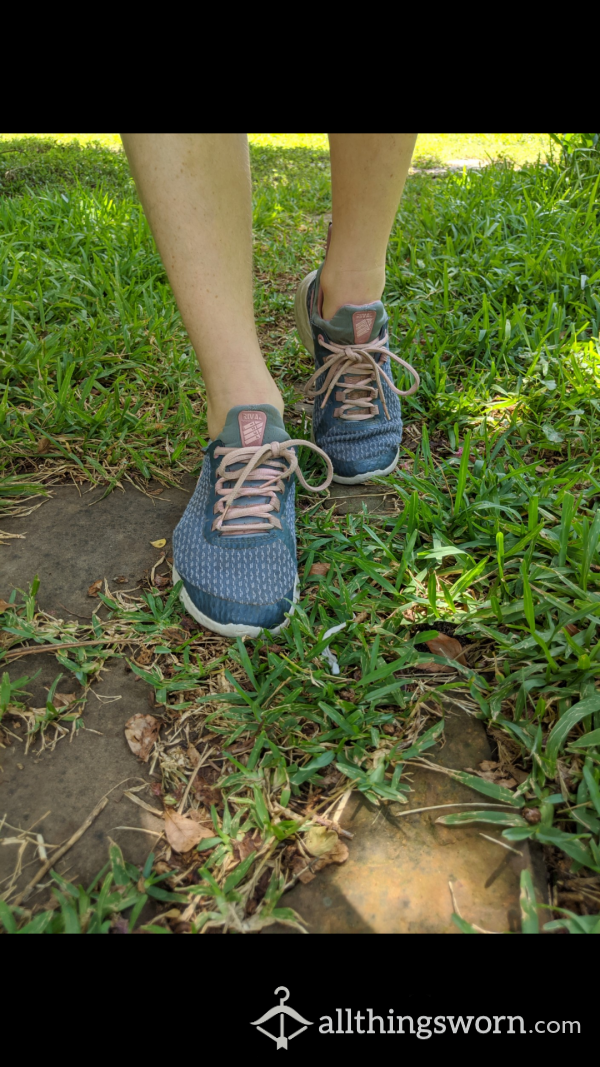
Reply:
x=493 y=292
x=432 y=148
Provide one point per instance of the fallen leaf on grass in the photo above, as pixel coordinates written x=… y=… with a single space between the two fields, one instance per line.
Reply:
x=95 y=588
x=319 y=840
x=193 y=755
x=173 y=635
x=4 y=606
x=319 y=568
x=206 y=794
x=160 y=580
x=141 y=732
x=571 y=629
x=362 y=615
x=301 y=870
x=145 y=656
x=160 y=543
x=533 y=815
x=43 y=446
x=250 y=843
x=445 y=646
x=491 y=771
x=326 y=845
x=184 y=832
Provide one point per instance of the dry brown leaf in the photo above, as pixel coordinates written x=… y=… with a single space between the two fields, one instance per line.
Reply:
x=338 y=854
x=571 y=629
x=493 y=772
x=517 y=773
x=301 y=869
x=250 y=843
x=173 y=635
x=121 y=579
x=201 y=818
x=448 y=647
x=161 y=580
x=193 y=755
x=184 y=832
x=362 y=615
x=319 y=840
x=43 y=446
x=533 y=815
x=206 y=794
x=434 y=668
x=95 y=588
x=4 y=606
x=62 y=700
x=141 y=732
x=326 y=846
x=160 y=543
x=144 y=657
x=319 y=568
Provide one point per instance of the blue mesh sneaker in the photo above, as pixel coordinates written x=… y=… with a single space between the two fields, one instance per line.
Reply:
x=235 y=546
x=356 y=416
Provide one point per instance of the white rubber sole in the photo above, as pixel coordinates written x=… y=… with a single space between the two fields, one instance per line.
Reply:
x=230 y=629
x=366 y=477
x=301 y=313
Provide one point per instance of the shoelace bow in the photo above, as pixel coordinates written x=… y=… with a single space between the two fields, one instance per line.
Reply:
x=282 y=464
x=357 y=360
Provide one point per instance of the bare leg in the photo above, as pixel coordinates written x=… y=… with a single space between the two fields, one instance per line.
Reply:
x=195 y=188
x=368 y=171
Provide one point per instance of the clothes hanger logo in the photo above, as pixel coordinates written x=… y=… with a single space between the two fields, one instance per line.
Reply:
x=282 y=1010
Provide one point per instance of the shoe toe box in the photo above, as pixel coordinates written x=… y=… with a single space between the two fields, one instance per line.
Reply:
x=233 y=618
x=374 y=465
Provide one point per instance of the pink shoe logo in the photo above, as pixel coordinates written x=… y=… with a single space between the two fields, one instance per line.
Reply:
x=362 y=322
x=252 y=427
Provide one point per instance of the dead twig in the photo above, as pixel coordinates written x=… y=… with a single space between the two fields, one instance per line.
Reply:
x=465 y=804
x=31 y=650
x=60 y=852
x=201 y=763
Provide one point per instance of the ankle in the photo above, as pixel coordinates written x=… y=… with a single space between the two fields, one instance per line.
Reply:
x=342 y=287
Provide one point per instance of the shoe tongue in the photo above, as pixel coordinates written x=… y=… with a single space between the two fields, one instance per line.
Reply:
x=252 y=425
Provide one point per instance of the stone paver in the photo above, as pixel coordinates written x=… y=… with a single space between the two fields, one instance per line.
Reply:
x=400 y=869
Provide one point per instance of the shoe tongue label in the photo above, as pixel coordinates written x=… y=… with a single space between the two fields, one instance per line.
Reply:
x=363 y=322
x=252 y=427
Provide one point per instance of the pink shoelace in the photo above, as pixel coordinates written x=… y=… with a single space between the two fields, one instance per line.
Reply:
x=358 y=363
x=282 y=463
